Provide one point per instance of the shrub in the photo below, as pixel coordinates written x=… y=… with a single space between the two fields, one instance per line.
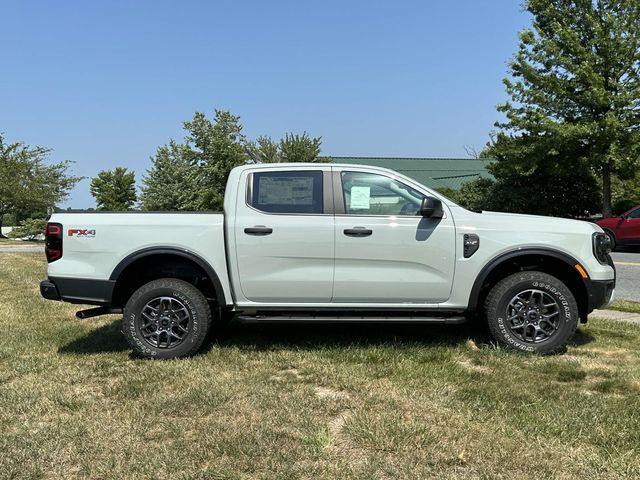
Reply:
x=29 y=229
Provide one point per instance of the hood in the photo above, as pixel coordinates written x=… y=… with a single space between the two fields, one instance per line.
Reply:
x=526 y=223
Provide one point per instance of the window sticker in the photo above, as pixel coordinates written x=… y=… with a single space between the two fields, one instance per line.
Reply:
x=285 y=191
x=360 y=198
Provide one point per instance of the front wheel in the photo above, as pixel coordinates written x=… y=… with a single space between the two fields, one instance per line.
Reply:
x=532 y=312
x=166 y=318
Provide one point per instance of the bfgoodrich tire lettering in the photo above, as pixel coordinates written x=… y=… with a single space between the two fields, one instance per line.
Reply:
x=504 y=329
x=195 y=310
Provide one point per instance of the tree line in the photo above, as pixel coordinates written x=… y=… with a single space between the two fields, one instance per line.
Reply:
x=192 y=175
x=183 y=176
x=568 y=142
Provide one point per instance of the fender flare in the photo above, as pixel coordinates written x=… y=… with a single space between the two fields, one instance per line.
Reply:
x=180 y=252
x=509 y=255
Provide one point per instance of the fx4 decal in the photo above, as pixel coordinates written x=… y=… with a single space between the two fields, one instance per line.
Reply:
x=81 y=232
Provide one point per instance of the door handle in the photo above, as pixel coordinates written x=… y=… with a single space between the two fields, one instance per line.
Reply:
x=358 y=232
x=260 y=231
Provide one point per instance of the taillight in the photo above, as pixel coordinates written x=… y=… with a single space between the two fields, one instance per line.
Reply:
x=53 y=242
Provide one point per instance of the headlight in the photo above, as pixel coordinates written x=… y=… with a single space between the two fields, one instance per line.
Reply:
x=602 y=248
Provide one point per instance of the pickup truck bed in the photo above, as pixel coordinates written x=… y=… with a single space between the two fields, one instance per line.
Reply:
x=99 y=247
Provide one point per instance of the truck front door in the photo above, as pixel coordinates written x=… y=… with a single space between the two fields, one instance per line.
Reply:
x=385 y=251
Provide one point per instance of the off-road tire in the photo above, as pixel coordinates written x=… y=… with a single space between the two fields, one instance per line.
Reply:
x=496 y=303
x=193 y=301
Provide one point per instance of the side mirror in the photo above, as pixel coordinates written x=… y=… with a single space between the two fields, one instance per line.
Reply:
x=431 y=208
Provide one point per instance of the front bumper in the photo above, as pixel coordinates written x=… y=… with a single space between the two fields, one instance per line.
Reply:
x=600 y=293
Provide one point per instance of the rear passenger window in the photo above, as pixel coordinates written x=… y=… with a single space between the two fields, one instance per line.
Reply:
x=287 y=192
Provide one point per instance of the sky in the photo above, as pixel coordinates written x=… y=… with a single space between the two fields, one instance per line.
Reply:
x=105 y=83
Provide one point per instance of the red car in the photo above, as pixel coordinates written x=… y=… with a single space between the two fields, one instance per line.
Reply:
x=623 y=230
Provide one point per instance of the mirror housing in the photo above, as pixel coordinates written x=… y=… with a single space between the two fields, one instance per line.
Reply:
x=431 y=208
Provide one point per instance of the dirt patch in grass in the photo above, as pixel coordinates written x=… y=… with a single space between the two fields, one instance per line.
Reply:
x=325 y=392
x=309 y=402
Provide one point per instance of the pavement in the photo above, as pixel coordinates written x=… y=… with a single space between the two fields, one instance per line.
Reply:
x=617 y=315
x=628 y=274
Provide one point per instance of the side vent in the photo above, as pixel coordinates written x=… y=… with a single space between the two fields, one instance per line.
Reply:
x=471 y=244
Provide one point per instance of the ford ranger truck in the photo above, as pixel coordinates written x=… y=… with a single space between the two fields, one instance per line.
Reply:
x=329 y=242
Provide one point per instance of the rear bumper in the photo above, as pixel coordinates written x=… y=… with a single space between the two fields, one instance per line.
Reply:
x=49 y=290
x=85 y=291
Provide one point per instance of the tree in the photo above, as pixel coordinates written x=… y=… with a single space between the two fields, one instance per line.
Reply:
x=546 y=190
x=474 y=195
x=28 y=184
x=300 y=148
x=575 y=103
x=263 y=150
x=29 y=229
x=166 y=187
x=217 y=147
x=291 y=148
x=114 y=190
x=193 y=175
x=625 y=195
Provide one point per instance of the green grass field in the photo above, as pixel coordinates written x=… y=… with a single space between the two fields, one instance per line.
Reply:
x=625 y=306
x=10 y=242
x=321 y=402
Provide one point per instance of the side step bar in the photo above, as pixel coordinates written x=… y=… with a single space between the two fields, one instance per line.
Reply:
x=442 y=320
x=96 y=312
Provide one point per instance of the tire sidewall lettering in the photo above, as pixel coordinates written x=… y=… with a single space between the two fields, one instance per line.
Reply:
x=564 y=303
x=193 y=311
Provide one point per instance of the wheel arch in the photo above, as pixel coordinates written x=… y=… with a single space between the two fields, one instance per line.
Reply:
x=548 y=260
x=140 y=257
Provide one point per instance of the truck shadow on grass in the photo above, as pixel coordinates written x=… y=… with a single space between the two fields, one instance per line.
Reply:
x=109 y=339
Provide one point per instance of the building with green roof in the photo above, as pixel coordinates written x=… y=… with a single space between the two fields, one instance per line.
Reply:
x=434 y=173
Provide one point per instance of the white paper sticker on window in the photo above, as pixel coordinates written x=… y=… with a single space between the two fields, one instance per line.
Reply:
x=360 y=197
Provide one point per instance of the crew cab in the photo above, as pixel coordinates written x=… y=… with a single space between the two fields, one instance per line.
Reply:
x=329 y=242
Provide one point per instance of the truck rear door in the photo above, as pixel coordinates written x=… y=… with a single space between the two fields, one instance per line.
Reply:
x=284 y=236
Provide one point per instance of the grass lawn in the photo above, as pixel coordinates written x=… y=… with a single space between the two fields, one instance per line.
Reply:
x=12 y=242
x=625 y=306
x=307 y=402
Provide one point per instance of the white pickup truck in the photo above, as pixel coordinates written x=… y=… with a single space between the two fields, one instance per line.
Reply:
x=316 y=242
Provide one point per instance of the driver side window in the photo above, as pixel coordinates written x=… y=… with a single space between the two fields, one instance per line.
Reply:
x=635 y=213
x=372 y=194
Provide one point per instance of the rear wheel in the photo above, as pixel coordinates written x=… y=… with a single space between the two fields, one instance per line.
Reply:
x=533 y=312
x=166 y=318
